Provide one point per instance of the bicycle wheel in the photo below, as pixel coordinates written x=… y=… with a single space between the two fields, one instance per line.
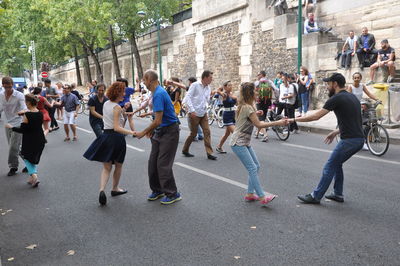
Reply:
x=378 y=140
x=210 y=116
x=81 y=108
x=220 y=120
x=283 y=132
x=86 y=110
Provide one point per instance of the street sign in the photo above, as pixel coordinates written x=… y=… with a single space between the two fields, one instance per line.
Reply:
x=44 y=74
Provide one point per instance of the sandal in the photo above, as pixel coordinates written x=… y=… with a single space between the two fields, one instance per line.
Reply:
x=67 y=139
x=74 y=139
x=220 y=150
x=35 y=183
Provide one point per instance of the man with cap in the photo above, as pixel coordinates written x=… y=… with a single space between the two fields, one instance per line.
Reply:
x=347 y=109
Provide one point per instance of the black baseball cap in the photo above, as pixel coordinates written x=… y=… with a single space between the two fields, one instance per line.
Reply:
x=339 y=78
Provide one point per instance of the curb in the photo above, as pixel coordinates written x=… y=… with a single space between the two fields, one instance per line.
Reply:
x=325 y=131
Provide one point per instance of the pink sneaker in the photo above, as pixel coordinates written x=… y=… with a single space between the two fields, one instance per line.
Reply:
x=251 y=198
x=268 y=199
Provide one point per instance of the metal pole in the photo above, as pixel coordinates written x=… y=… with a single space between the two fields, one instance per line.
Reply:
x=35 y=74
x=159 y=50
x=299 y=36
x=133 y=66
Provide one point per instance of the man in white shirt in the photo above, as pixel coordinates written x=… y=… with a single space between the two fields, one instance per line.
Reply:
x=197 y=99
x=349 y=50
x=12 y=103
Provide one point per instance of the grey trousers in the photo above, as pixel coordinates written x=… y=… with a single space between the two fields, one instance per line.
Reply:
x=163 y=149
x=14 y=140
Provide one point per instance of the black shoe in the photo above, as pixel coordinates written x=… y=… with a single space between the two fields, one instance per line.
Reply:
x=102 y=198
x=211 y=157
x=308 y=199
x=117 y=193
x=200 y=137
x=335 y=197
x=12 y=171
x=25 y=170
x=187 y=154
x=362 y=67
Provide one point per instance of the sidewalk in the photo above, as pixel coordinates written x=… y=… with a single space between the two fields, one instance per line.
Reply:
x=328 y=123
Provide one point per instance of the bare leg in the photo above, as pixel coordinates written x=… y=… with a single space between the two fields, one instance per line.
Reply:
x=66 y=130
x=73 y=128
x=372 y=71
x=105 y=175
x=392 y=69
x=46 y=128
x=229 y=130
x=131 y=124
x=117 y=176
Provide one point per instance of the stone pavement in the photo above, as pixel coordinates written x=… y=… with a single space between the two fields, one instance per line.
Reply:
x=329 y=122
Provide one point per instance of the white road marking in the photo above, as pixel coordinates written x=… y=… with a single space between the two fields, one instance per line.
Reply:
x=82 y=129
x=217 y=177
x=328 y=151
x=134 y=148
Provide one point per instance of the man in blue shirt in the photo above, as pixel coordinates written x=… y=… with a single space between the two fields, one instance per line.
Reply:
x=126 y=103
x=164 y=135
x=366 y=49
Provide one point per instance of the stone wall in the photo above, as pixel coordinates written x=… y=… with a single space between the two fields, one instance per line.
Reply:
x=271 y=55
x=184 y=64
x=221 y=53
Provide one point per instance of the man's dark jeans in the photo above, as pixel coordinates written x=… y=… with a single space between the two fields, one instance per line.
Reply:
x=164 y=144
x=334 y=166
x=52 y=111
x=97 y=126
x=346 y=58
x=371 y=56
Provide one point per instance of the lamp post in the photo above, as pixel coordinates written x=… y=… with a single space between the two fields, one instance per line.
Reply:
x=158 y=21
x=299 y=36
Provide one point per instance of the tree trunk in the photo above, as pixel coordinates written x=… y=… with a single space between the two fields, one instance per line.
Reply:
x=77 y=68
x=99 y=73
x=86 y=64
x=114 y=52
x=137 y=56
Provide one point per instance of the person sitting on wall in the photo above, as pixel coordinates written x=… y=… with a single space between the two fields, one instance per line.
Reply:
x=310 y=25
x=366 y=51
x=349 y=50
x=280 y=7
x=386 y=57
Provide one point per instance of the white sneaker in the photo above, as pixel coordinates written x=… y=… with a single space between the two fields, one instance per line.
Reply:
x=390 y=79
x=370 y=82
x=365 y=147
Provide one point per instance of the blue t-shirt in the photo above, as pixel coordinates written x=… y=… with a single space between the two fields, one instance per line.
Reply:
x=128 y=92
x=162 y=103
x=366 y=42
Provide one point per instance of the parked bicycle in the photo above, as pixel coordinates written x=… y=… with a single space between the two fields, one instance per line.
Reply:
x=282 y=132
x=214 y=113
x=377 y=137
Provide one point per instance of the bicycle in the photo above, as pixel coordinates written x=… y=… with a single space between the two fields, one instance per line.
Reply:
x=282 y=132
x=214 y=113
x=377 y=137
x=84 y=108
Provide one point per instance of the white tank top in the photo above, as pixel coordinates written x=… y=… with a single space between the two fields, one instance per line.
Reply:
x=358 y=91
x=108 y=115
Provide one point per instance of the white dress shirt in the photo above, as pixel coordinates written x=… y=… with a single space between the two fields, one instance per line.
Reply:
x=197 y=98
x=15 y=104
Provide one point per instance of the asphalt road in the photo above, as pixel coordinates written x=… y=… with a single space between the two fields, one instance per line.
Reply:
x=212 y=225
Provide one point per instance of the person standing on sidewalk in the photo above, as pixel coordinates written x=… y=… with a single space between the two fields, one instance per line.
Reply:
x=246 y=119
x=197 y=100
x=12 y=103
x=164 y=135
x=110 y=147
x=347 y=109
x=96 y=103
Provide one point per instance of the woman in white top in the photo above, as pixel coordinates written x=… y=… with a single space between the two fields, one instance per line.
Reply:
x=110 y=147
x=357 y=88
x=287 y=99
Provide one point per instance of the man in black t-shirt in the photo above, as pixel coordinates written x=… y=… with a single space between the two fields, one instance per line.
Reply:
x=347 y=109
x=386 y=57
x=96 y=110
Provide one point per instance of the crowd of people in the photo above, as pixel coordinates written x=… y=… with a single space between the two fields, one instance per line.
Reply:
x=28 y=117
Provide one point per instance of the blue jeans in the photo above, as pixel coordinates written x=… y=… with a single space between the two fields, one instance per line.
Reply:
x=333 y=167
x=32 y=168
x=304 y=102
x=249 y=159
x=97 y=127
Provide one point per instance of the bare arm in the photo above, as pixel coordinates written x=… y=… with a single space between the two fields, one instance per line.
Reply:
x=117 y=110
x=94 y=113
x=369 y=94
x=149 y=130
x=254 y=119
x=315 y=116
x=305 y=80
x=349 y=89
x=177 y=84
